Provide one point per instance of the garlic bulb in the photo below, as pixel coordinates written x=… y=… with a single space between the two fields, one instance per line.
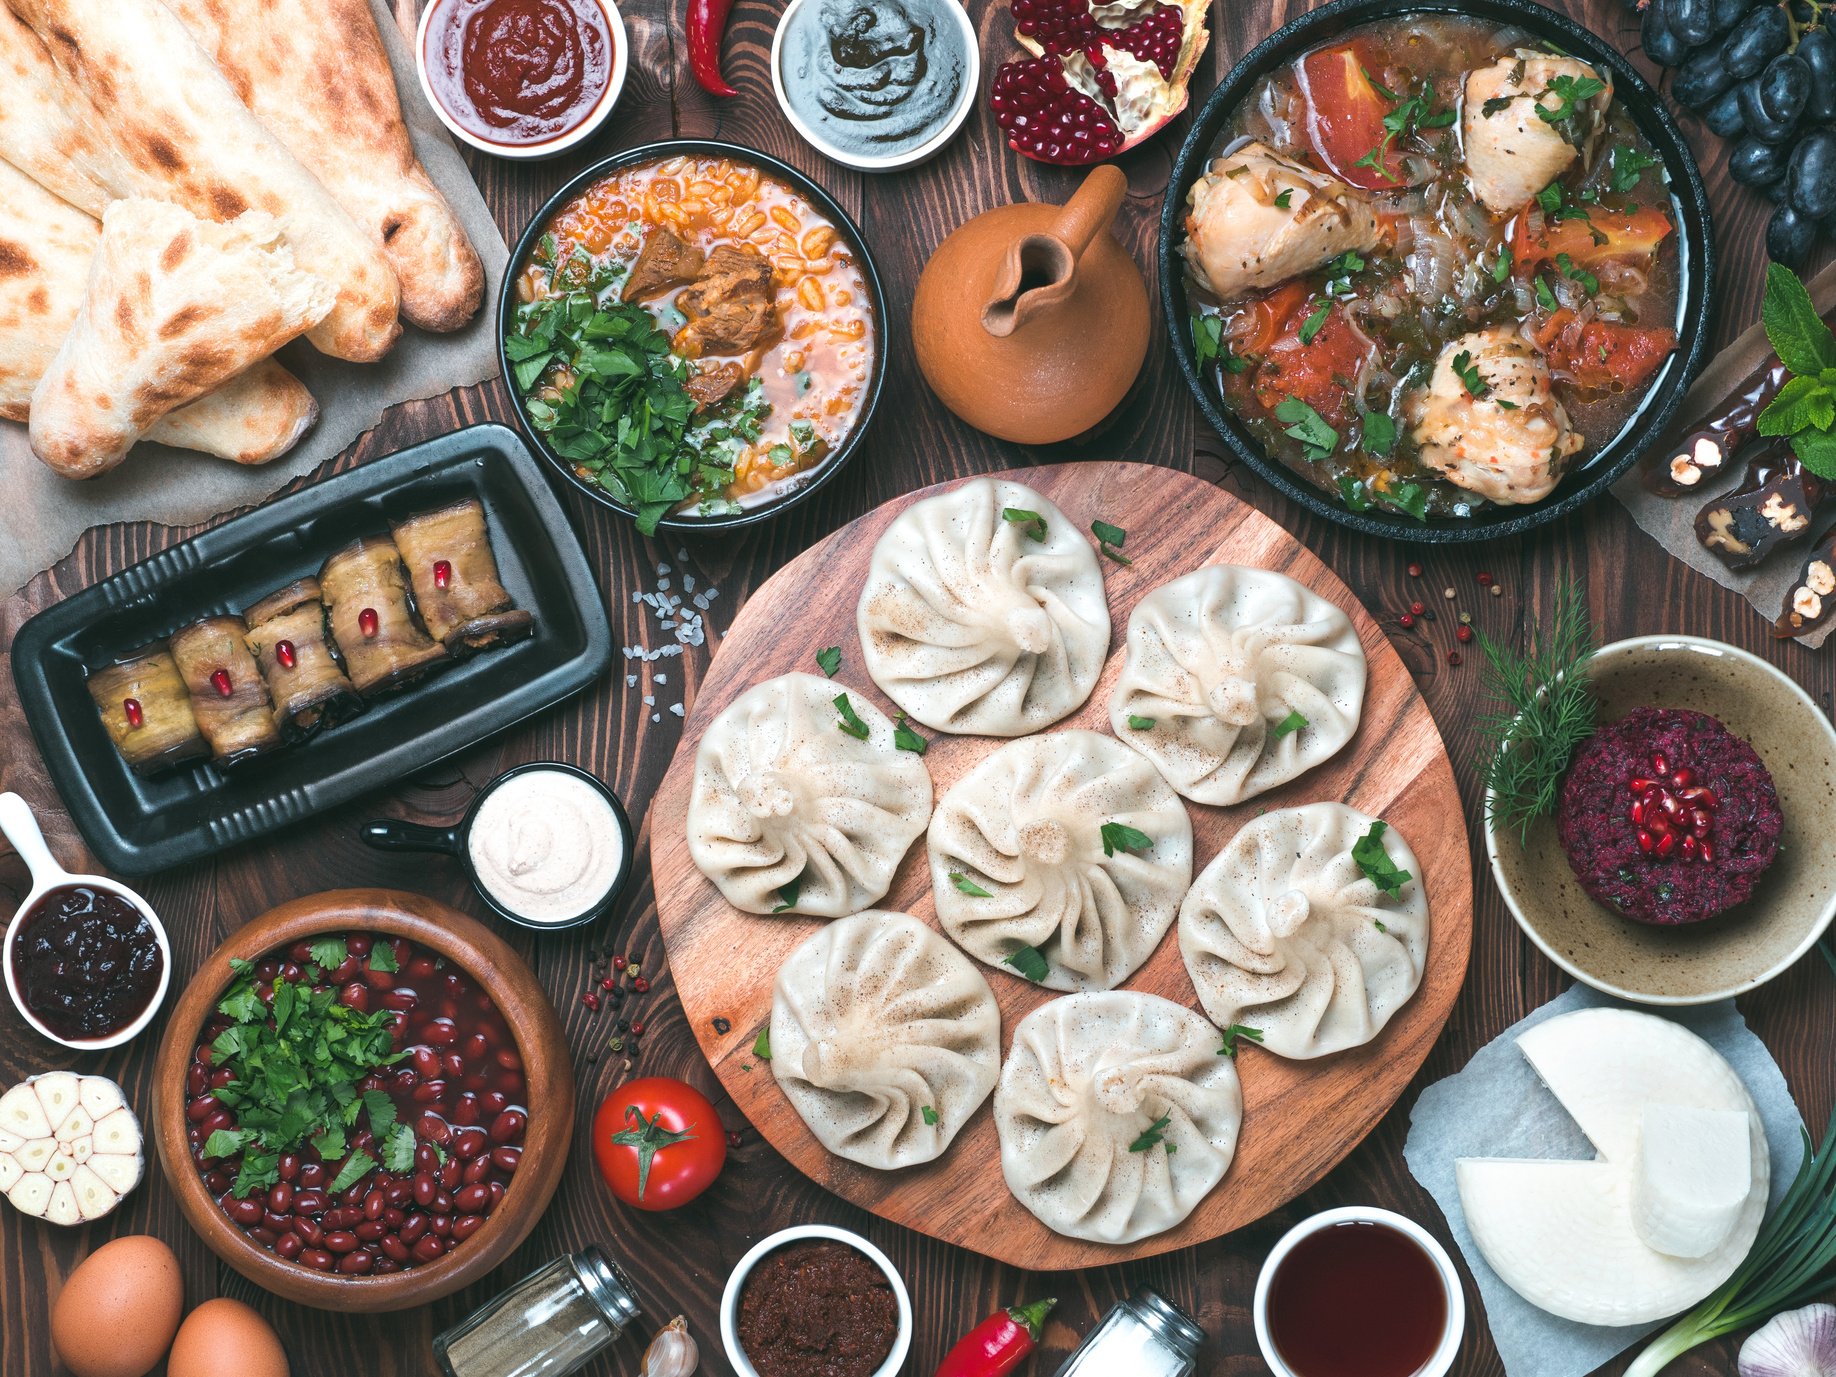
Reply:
x=1798 y=1343
x=672 y=1353
x=70 y=1147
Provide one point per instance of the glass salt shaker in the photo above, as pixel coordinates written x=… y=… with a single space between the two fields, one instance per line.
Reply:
x=1144 y=1336
x=547 y=1325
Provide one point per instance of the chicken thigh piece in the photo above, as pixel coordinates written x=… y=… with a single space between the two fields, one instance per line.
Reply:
x=1258 y=219
x=1489 y=421
x=1525 y=120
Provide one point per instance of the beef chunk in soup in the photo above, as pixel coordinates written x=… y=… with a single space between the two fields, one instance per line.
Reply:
x=1258 y=219
x=730 y=303
x=1527 y=118
x=712 y=386
x=664 y=261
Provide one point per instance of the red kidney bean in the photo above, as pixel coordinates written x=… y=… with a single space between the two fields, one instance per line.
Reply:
x=317 y=1259
x=356 y=1264
x=393 y=1217
x=371 y=1230
x=267 y=1238
x=467 y=1225
x=267 y=970
x=221 y=1078
x=200 y=1109
x=244 y=1212
x=511 y=1083
x=441 y=1224
x=310 y=1231
x=374 y=1204
x=402 y=1001
x=202 y=1054
x=508 y=1059
x=393 y=1248
x=492 y=1103
x=421 y=968
x=276 y=1223
x=442 y=1203
x=288 y=1246
x=465 y=1110
x=290 y=970
x=216 y=1182
x=426 y=1062
x=341 y=1218
x=215 y=1120
x=434 y=1129
x=309 y=1201
x=508 y=1126
x=450 y=1171
x=472 y=1200
x=428 y=1248
x=424 y=1188
x=476 y=1048
x=312 y=1175
x=405 y=1080
x=497 y=1192
x=380 y=980
x=288 y=1167
x=440 y=1032
x=476 y=1170
x=360 y=1140
x=425 y=1158
x=355 y=995
x=385 y=1265
x=300 y=952
x=507 y=1159
x=412 y=1228
x=398 y=1193
x=477 y=1081
x=196 y=1079
x=429 y=1092
x=358 y=945
x=469 y=1142
x=346 y=972
x=280 y=1198
x=340 y=1241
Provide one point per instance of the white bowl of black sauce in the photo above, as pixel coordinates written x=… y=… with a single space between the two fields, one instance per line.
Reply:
x=876 y=85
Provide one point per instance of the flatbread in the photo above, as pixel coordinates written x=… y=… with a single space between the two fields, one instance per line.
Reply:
x=180 y=133
x=45 y=250
x=315 y=72
x=47 y=130
x=175 y=307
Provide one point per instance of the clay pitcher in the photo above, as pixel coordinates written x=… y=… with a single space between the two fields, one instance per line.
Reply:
x=1031 y=321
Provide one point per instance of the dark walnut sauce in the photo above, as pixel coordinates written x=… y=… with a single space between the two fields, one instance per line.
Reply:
x=85 y=962
x=817 y=1308
x=1436 y=276
x=519 y=71
x=874 y=77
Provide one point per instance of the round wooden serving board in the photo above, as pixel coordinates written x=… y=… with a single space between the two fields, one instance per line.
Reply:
x=1300 y=1117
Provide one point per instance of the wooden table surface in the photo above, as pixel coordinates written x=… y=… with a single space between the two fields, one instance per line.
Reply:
x=616 y=729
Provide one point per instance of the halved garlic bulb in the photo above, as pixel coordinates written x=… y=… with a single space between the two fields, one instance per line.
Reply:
x=1798 y=1343
x=70 y=1147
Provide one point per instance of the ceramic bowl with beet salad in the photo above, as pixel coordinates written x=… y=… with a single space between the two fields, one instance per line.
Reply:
x=356 y=1104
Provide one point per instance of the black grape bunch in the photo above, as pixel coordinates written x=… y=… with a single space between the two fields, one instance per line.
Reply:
x=1762 y=75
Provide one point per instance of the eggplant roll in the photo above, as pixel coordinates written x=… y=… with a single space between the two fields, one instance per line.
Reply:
x=147 y=711
x=456 y=588
x=308 y=685
x=365 y=592
x=227 y=693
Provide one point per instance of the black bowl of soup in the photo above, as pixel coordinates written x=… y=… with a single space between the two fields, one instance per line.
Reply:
x=1440 y=273
x=693 y=333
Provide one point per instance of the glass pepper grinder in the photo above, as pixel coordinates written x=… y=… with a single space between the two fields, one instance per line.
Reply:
x=547 y=1325
x=1144 y=1336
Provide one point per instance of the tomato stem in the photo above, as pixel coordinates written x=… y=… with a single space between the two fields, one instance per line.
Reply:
x=649 y=1137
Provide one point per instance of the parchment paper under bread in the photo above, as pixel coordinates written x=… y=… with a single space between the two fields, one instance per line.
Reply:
x=1671 y=521
x=41 y=514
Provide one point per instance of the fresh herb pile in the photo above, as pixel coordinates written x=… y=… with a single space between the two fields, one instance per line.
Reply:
x=1805 y=409
x=601 y=385
x=296 y=1065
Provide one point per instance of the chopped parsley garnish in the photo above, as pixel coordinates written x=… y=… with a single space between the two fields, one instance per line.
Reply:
x=1377 y=433
x=357 y=1166
x=1284 y=199
x=1501 y=268
x=850 y=719
x=1032 y=524
x=1554 y=202
x=1290 y=724
x=1588 y=282
x=787 y=894
x=1110 y=540
x=828 y=660
x=965 y=885
x=761 y=1045
x=1545 y=294
x=1410 y=498
x=1352 y=493
x=328 y=953
x=1314 y=323
x=1468 y=372
x=1570 y=93
x=1307 y=426
x=780 y=455
x=1029 y=962
x=1628 y=165
x=1235 y=1031
x=905 y=739
x=1368 y=851
x=1119 y=836
x=1408 y=117
x=382 y=958
x=1153 y=1135
x=930 y=1116
x=1381 y=927
x=1140 y=724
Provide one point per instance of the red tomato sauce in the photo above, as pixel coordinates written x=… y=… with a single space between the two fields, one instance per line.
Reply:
x=519 y=71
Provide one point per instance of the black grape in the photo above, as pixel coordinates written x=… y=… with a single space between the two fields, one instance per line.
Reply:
x=1728 y=13
x=1784 y=88
x=1702 y=79
x=1655 y=36
x=1790 y=236
x=1813 y=174
x=1753 y=163
x=1818 y=49
x=1692 y=21
x=1760 y=38
x=1760 y=100
x=1723 y=116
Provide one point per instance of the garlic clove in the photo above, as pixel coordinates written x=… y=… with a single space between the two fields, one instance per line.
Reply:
x=672 y=1353
x=1798 y=1343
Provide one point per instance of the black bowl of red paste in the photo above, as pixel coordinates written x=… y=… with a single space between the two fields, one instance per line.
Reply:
x=1669 y=818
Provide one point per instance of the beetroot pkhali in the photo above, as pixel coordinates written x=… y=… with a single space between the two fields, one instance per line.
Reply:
x=1668 y=817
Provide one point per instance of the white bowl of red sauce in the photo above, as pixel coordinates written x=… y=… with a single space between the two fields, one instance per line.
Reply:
x=522 y=79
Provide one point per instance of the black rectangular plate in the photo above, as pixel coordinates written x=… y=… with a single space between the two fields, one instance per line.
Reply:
x=140 y=825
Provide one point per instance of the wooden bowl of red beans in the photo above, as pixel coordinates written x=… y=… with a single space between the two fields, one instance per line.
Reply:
x=363 y=1100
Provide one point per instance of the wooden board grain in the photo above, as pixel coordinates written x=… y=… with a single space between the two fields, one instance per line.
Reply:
x=1300 y=1118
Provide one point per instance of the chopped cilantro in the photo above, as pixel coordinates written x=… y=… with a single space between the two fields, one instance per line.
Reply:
x=1377 y=433
x=930 y=1116
x=382 y=960
x=1031 y=523
x=787 y=894
x=1153 y=1135
x=1029 y=962
x=905 y=739
x=1234 y=1032
x=828 y=660
x=1368 y=851
x=1284 y=199
x=761 y=1045
x=850 y=719
x=1307 y=426
x=965 y=885
x=1313 y=324
x=1468 y=373
x=1110 y=540
x=1290 y=724
x=1119 y=836
x=1140 y=724
x=1545 y=294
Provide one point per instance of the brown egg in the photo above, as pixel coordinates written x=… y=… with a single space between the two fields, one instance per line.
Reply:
x=225 y=1338
x=118 y=1311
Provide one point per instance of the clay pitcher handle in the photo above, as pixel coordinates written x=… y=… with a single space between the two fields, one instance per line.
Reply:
x=1040 y=269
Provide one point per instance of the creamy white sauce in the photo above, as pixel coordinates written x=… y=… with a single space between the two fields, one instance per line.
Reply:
x=546 y=845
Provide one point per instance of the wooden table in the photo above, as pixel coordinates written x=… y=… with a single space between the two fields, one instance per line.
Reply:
x=682 y=1259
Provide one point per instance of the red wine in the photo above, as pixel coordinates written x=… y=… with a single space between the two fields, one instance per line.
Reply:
x=1357 y=1300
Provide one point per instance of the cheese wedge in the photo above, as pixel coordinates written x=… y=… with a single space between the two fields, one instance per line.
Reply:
x=1695 y=1168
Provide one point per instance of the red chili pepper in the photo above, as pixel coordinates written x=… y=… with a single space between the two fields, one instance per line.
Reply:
x=707 y=25
x=999 y=1344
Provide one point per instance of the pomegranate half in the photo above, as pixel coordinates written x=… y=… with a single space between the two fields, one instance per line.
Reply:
x=1102 y=76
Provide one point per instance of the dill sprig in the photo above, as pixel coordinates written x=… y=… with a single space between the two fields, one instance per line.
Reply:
x=1548 y=703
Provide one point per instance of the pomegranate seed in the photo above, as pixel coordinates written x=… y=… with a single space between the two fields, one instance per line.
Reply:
x=1455 y=658
x=1639 y=785
x=1667 y=843
x=135 y=715
x=1700 y=822
x=1638 y=812
x=1702 y=796
x=641 y=985
x=590 y=999
x=619 y=963
x=1405 y=621
x=1415 y=571
x=1707 y=849
x=1464 y=633
x=1690 y=847
x=1645 y=840
x=1683 y=778
x=443 y=572
x=1418 y=608
x=1659 y=765
x=1658 y=823
x=367 y=622
x=283 y=651
x=1485 y=580
x=220 y=681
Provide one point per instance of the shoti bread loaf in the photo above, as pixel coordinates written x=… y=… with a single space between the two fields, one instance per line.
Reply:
x=45 y=251
x=180 y=133
x=315 y=72
x=48 y=130
x=175 y=307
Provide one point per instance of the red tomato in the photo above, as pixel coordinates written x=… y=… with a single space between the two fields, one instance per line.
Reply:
x=1636 y=235
x=658 y=1143
x=1345 y=113
x=1317 y=372
x=1601 y=355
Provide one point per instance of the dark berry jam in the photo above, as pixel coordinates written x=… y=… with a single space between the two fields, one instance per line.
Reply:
x=86 y=962
x=456 y=1081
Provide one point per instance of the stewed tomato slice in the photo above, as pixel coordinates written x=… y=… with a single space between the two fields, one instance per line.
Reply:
x=1603 y=355
x=1599 y=237
x=1345 y=113
x=1319 y=371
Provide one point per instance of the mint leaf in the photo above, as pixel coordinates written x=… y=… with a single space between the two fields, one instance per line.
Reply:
x=1817 y=449
x=1802 y=404
x=968 y=886
x=1368 y=851
x=1119 y=836
x=828 y=660
x=1029 y=962
x=1799 y=337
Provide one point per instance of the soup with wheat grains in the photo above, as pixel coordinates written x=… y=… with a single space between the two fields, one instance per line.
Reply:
x=1434 y=266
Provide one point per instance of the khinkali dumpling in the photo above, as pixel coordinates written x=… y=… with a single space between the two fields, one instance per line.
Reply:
x=1026 y=826
x=1287 y=933
x=1116 y=1114
x=875 y=1020
x=984 y=611
x=1247 y=677
x=791 y=812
